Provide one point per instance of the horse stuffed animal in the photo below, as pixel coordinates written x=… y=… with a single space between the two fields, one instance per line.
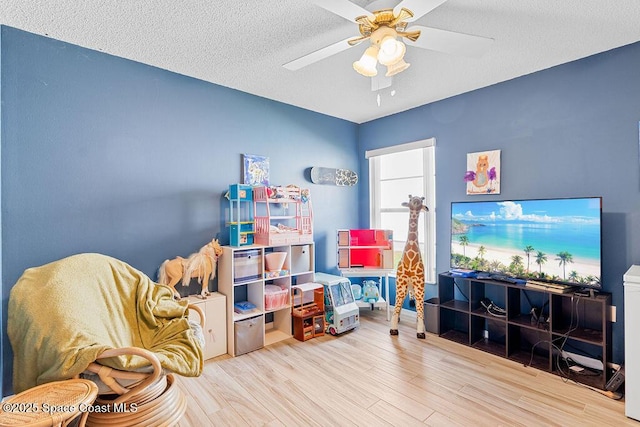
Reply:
x=201 y=265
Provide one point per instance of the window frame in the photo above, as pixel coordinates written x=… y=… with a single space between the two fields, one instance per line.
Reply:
x=428 y=219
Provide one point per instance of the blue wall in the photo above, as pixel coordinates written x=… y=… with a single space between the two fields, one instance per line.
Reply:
x=102 y=154
x=568 y=131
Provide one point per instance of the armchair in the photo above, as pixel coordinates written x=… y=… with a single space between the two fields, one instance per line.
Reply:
x=93 y=316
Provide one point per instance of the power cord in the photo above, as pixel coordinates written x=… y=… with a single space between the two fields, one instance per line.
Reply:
x=492 y=308
x=566 y=376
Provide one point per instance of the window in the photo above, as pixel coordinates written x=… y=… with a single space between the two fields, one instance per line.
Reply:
x=396 y=172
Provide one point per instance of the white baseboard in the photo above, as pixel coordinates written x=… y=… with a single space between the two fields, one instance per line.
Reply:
x=405 y=315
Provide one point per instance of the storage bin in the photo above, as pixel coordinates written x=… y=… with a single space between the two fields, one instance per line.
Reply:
x=275 y=260
x=432 y=315
x=247 y=265
x=275 y=297
x=248 y=335
x=300 y=259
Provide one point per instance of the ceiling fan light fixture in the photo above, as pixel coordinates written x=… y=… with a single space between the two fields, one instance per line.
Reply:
x=391 y=51
x=396 y=68
x=388 y=45
x=367 y=63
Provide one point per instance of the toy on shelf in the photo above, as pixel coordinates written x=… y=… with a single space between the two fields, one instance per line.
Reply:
x=410 y=272
x=370 y=292
x=244 y=307
x=241 y=227
x=365 y=248
x=275 y=224
x=201 y=265
x=357 y=291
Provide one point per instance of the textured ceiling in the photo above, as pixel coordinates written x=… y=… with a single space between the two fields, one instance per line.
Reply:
x=243 y=44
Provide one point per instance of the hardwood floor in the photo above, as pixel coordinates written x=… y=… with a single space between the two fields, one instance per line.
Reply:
x=369 y=378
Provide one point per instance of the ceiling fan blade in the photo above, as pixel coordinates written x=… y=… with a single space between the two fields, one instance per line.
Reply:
x=418 y=7
x=344 y=8
x=450 y=42
x=318 y=55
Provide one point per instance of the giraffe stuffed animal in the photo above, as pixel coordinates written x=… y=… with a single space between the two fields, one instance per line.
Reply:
x=410 y=272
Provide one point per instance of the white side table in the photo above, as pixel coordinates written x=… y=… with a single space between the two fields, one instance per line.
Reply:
x=380 y=273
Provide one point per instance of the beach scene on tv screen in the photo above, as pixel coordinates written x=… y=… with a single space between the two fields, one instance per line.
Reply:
x=555 y=240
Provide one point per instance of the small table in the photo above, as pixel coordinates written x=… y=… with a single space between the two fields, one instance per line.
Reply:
x=47 y=405
x=380 y=273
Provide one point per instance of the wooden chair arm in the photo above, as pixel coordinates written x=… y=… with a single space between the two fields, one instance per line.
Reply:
x=200 y=313
x=108 y=375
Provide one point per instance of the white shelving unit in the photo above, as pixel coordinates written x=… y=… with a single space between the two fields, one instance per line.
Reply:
x=242 y=276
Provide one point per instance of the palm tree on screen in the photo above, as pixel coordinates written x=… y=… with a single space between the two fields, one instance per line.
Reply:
x=481 y=251
x=528 y=250
x=541 y=258
x=516 y=264
x=564 y=258
x=464 y=241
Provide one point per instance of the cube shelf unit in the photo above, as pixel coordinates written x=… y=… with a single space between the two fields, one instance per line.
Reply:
x=282 y=221
x=572 y=323
x=242 y=276
x=241 y=224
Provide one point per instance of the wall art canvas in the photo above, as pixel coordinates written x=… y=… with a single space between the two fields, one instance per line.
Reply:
x=255 y=169
x=483 y=172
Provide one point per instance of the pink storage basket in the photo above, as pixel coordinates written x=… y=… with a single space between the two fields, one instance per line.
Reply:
x=275 y=297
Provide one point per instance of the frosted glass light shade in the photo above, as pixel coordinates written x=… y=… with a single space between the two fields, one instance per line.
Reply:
x=396 y=68
x=391 y=51
x=388 y=45
x=367 y=63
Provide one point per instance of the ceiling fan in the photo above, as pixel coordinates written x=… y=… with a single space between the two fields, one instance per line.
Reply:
x=383 y=28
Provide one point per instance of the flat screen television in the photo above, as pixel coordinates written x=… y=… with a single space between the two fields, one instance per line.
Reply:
x=553 y=240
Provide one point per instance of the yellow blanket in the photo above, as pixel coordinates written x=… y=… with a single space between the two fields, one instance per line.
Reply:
x=64 y=314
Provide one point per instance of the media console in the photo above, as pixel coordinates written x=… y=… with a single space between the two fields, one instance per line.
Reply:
x=533 y=326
